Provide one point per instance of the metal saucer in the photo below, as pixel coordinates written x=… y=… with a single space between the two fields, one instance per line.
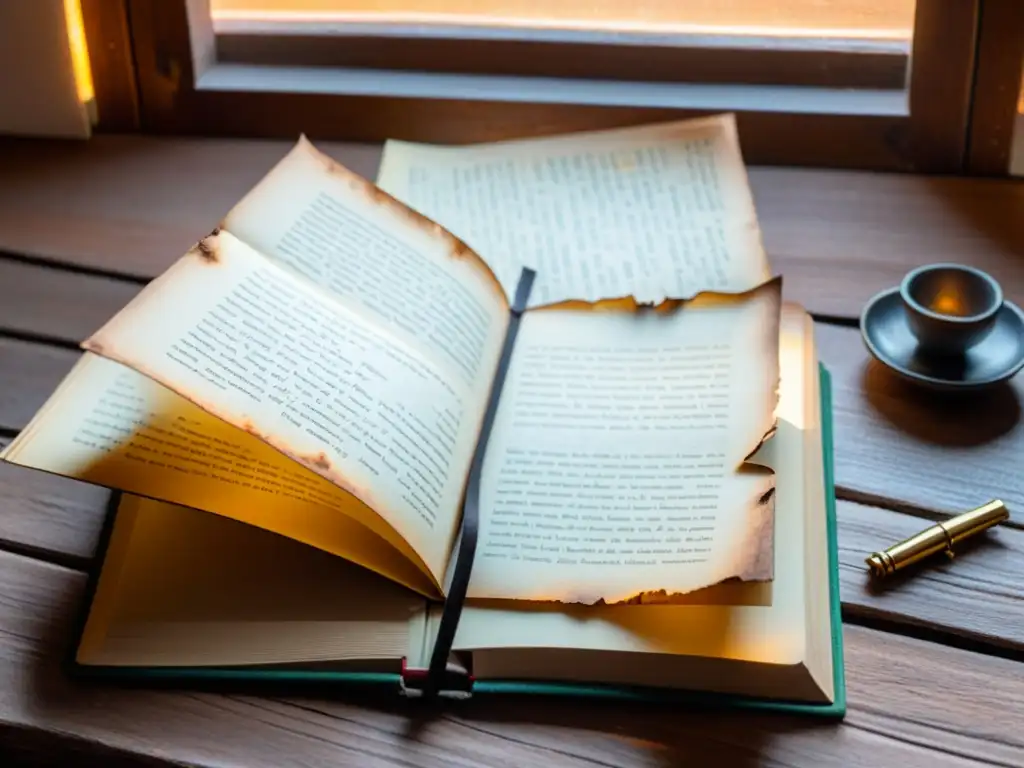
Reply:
x=996 y=358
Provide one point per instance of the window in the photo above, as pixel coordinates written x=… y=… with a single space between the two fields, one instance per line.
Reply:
x=876 y=84
x=842 y=43
x=881 y=19
x=1017 y=147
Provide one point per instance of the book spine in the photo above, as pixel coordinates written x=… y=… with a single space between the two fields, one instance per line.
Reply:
x=441 y=678
x=456 y=682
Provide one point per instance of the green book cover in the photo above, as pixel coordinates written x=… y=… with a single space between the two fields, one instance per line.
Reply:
x=221 y=676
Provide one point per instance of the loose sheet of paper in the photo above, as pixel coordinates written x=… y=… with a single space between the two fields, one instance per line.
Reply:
x=657 y=211
x=616 y=464
x=317 y=380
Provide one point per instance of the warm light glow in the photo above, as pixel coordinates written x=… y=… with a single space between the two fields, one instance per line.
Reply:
x=949 y=301
x=851 y=19
x=79 y=50
x=791 y=371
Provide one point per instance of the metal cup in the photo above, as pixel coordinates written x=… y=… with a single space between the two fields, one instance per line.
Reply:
x=950 y=307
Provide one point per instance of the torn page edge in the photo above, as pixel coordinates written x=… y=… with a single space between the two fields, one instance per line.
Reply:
x=668 y=306
x=208 y=252
x=757 y=562
x=375 y=196
x=663 y=304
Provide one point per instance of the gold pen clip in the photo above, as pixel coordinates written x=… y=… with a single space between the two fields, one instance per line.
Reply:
x=940 y=537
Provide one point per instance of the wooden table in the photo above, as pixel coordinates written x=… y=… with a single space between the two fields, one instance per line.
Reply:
x=932 y=662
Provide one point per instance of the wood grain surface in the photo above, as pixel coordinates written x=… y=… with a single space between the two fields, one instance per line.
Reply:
x=897 y=443
x=54 y=304
x=30 y=373
x=132 y=205
x=897 y=715
x=49 y=516
x=978 y=596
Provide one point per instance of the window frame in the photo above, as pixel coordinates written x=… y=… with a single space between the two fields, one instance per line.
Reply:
x=185 y=88
x=997 y=87
x=597 y=54
x=108 y=39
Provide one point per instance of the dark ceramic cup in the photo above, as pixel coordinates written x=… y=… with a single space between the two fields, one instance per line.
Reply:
x=950 y=307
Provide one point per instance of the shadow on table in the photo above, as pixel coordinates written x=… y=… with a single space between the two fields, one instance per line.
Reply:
x=119 y=724
x=947 y=419
x=625 y=734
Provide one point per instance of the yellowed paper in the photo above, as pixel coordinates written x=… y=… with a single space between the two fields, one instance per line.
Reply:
x=616 y=467
x=184 y=588
x=110 y=425
x=656 y=211
x=363 y=338
x=330 y=389
x=786 y=630
x=401 y=272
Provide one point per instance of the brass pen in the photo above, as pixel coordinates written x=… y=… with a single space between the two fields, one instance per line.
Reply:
x=938 y=538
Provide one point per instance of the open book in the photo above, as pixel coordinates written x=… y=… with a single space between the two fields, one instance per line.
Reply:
x=331 y=370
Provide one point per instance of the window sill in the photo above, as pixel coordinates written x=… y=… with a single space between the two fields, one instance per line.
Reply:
x=256 y=78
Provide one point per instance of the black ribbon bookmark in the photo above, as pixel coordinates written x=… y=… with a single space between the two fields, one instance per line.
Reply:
x=437 y=674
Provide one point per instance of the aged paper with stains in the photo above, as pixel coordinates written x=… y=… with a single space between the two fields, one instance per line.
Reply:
x=328 y=354
x=617 y=468
x=656 y=211
x=110 y=425
x=419 y=313
x=399 y=270
x=354 y=401
x=683 y=644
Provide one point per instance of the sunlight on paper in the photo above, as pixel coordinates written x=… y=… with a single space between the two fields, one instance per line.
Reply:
x=791 y=372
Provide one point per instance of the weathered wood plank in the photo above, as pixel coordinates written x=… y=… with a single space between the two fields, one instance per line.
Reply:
x=134 y=204
x=28 y=375
x=911 y=703
x=840 y=237
x=900 y=443
x=56 y=304
x=979 y=595
x=51 y=515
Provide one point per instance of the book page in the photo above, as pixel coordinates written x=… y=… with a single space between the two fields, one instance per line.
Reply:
x=617 y=466
x=180 y=587
x=777 y=633
x=288 y=363
x=654 y=211
x=110 y=425
x=386 y=262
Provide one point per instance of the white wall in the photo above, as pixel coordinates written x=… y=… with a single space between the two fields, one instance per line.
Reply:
x=38 y=92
